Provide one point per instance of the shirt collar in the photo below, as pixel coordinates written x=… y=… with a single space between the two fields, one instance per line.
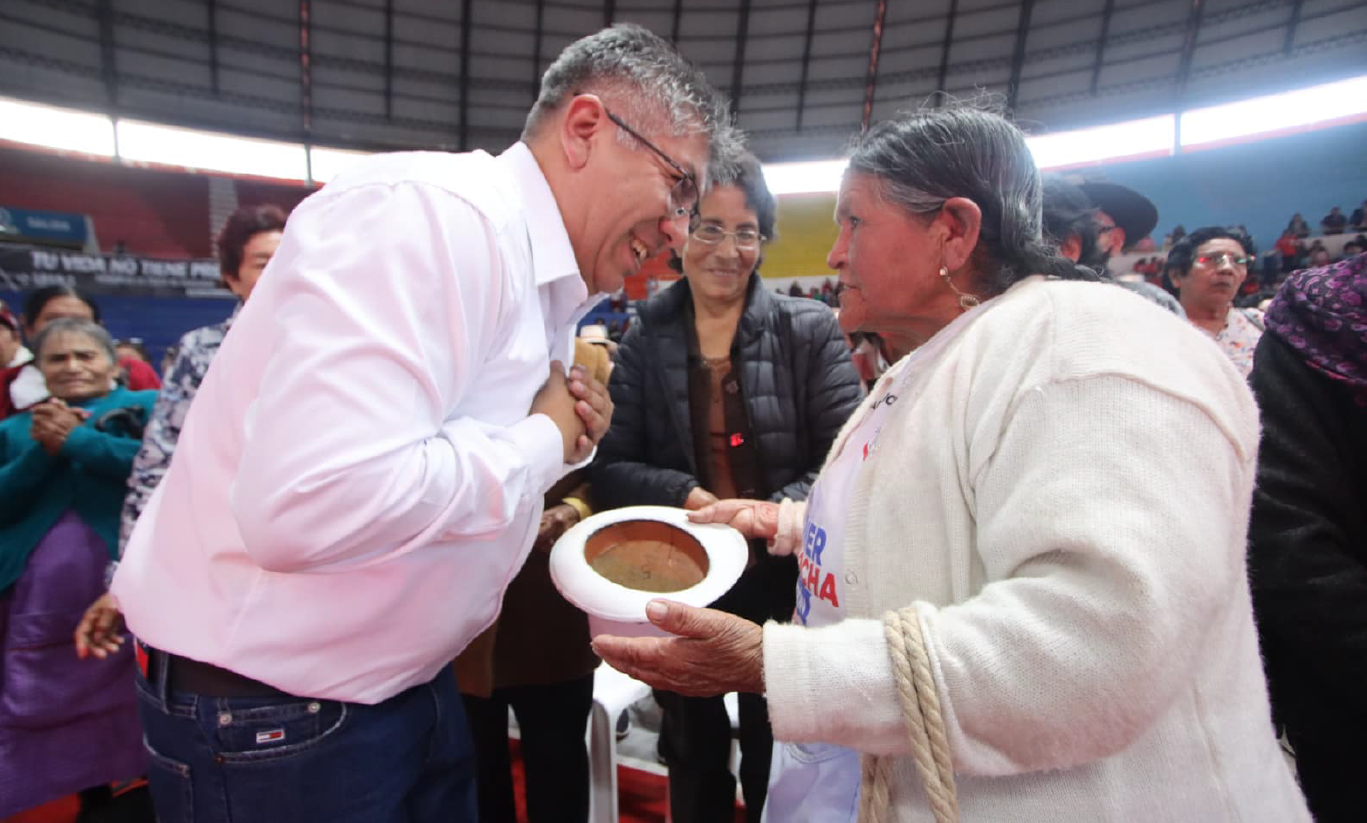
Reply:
x=552 y=254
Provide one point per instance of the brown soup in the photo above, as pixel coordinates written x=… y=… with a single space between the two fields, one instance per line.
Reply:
x=647 y=555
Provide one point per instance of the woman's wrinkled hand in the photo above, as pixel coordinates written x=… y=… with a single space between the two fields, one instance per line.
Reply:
x=555 y=521
x=711 y=653
x=52 y=421
x=100 y=632
x=752 y=518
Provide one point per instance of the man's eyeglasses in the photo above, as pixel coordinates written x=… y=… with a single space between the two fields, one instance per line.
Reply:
x=683 y=198
x=711 y=234
x=1215 y=261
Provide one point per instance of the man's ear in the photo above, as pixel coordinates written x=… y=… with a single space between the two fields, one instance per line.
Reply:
x=585 y=117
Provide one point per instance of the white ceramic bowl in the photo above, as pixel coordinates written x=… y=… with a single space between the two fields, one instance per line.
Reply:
x=616 y=609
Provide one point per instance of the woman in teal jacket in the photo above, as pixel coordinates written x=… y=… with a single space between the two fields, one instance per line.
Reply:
x=65 y=725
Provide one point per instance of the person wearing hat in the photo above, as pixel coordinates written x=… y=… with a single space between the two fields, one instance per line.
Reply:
x=12 y=350
x=1086 y=235
x=1123 y=216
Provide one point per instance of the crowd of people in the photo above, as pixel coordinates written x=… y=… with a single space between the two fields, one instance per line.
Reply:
x=1018 y=541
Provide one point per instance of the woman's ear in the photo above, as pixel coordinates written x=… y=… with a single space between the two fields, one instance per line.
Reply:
x=960 y=221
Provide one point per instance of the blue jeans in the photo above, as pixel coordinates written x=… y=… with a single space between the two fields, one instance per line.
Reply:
x=407 y=759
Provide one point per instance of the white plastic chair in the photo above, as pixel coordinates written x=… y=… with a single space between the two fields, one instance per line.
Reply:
x=613 y=692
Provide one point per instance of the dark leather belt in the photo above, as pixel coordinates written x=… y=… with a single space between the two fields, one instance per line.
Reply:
x=186 y=675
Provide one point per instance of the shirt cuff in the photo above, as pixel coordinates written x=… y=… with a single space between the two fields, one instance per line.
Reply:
x=538 y=439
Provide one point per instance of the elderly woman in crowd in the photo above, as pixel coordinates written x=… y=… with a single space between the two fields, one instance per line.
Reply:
x=1027 y=545
x=1208 y=267
x=64 y=726
x=1308 y=534
x=24 y=385
x=723 y=389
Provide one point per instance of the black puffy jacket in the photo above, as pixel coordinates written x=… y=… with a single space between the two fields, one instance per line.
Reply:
x=796 y=376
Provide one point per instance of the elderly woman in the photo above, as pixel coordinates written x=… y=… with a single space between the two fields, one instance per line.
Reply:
x=1024 y=557
x=1208 y=267
x=723 y=389
x=64 y=726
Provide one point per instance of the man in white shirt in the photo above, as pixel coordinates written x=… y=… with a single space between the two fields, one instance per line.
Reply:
x=363 y=469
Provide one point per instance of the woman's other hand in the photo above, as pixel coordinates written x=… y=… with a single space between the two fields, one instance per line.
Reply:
x=53 y=420
x=555 y=521
x=100 y=632
x=712 y=653
x=699 y=497
x=752 y=518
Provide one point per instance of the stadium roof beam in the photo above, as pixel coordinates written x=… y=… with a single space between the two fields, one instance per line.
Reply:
x=806 y=61
x=1101 y=42
x=738 y=62
x=943 y=76
x=1018 y=57
x=1291 y=25
x=464 y=125
x=1189 y=45
x=109 y=72
x=212 y=12
x=536 y=48
x=871 y=77
x=389 y=59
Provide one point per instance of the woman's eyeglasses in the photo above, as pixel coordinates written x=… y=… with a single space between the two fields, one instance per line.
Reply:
x=711 y=234
x=1215 y=261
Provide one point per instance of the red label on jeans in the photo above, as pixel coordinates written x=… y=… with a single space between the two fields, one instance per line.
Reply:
x=140 y=654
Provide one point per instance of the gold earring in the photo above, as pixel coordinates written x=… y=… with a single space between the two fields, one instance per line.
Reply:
x=966 y=301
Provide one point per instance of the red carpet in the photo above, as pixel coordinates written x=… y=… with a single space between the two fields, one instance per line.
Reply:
x=642 y=799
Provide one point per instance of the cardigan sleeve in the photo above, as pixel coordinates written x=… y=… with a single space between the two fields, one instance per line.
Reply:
x=25 y=470
x=1109 y=541
x=101 y=453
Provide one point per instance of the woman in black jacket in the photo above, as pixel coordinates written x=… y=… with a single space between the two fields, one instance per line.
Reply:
x=723 y=389
x=1308 y=533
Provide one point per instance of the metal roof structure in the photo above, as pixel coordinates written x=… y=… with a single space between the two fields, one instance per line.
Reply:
x=803 y=75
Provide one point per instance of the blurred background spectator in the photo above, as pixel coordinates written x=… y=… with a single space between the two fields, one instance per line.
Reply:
x=1208 y=268
x=1334 y=222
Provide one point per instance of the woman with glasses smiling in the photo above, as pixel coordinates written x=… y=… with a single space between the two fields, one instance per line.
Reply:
x=724 y=389
x=1208 y=267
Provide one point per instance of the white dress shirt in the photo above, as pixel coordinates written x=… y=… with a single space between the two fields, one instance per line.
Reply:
x=358 y=479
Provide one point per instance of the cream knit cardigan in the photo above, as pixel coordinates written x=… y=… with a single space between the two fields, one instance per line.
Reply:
x=1061 y=500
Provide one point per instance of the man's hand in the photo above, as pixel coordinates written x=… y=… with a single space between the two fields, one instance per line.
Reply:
x=52 y=421
x=100 y=632
x=555 y=401
x=594 y=406
x=714 y=652
x=699 y=497
x=555 y=521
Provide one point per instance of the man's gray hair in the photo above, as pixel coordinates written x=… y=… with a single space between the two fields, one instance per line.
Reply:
x=72 y=325
x=645 y=79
